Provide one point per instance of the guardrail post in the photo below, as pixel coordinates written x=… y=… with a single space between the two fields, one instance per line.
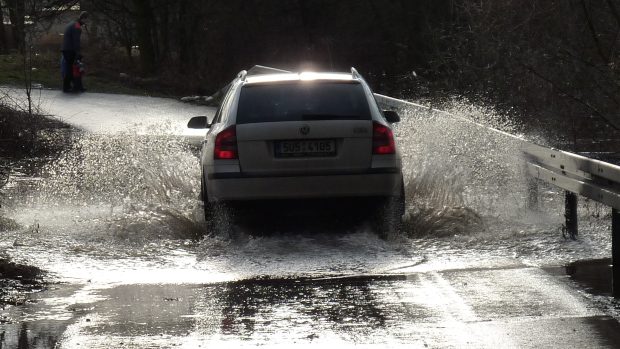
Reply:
x=571 y=215
x=532 y=194
x=615 y=252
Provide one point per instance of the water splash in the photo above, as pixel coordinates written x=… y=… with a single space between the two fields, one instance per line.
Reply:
x=458 y=172
x=467 y=185
x=128 y=196
x=122 y=168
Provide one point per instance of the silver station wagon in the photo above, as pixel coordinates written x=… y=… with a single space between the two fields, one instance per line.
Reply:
x=302 y=136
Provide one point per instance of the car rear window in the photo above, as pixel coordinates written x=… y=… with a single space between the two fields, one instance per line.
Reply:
x=302 y=101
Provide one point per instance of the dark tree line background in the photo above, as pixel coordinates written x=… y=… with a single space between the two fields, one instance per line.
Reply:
x=24 y=16
x=213 y=40
x=552 y=63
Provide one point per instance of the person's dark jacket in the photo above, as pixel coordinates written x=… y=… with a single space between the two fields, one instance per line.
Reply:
x=71 y=40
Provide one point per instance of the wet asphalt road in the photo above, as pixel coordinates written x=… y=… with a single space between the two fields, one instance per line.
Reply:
x=495 y=303
x=508 y=307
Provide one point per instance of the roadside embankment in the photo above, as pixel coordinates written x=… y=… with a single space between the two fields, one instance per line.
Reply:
x=23 y=136
x=16 y=281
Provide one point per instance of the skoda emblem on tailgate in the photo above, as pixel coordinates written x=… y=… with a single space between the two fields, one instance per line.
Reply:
x=304 y=130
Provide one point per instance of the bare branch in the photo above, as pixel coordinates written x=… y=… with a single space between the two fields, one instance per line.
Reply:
x=597 y=42
x=573 y=97
x=614 y=10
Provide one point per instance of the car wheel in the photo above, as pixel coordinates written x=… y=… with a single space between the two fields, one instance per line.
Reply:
x=208 y=207
x=388 y=216
x=217 y=216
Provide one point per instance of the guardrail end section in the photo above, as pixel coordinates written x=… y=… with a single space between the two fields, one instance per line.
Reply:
x=572 y=226
x=615 y=252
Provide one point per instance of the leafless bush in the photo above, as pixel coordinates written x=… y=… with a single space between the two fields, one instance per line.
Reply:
x=28 y=134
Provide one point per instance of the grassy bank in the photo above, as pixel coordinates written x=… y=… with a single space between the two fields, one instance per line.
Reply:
x=45 y=73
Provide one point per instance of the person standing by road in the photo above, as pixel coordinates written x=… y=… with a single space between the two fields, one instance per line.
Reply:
x=71 y=53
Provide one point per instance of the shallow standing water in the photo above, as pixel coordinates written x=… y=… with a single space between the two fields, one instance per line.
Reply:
x=120 y=209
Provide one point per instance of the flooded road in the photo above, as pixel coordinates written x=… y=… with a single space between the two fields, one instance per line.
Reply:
x=450 y=309
x=116 y=223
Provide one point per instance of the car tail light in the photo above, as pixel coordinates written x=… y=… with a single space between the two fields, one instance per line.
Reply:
x=226 y=144
x=382 y=139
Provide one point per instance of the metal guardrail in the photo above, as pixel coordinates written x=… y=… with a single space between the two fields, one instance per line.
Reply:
x=576 y=174
x=594 y=179
x=579 y=175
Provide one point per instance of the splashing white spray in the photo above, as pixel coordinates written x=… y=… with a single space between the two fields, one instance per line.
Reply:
x=457 y=171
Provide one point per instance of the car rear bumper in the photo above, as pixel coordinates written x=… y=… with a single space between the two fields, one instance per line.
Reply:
x=343 y=185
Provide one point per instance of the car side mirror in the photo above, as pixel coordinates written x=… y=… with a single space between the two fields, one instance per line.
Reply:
x=391 y=116
x=198 y=122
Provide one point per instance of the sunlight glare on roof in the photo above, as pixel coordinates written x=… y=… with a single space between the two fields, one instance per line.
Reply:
x=305 y=76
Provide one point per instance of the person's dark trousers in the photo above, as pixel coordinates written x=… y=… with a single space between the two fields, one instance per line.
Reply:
x=77 y=85
x=68 y=78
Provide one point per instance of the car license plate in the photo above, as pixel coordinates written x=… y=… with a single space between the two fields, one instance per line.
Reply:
x=323 y=147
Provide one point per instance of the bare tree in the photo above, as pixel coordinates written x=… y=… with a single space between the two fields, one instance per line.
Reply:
x=4 y=47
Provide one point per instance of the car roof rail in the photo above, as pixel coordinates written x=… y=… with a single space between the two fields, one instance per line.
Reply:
x=355 y=74
x=242 y=74
x=261 y=69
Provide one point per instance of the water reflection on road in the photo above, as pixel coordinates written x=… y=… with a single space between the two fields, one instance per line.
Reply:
x=451 y=309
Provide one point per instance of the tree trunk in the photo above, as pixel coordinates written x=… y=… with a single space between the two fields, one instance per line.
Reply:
x=183 y=38
x=307 y=28
x=3 y=41
x=144 y=31
x=163 y=35
x=16 y=15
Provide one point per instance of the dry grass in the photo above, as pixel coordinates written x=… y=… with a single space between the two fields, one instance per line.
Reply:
x=28 y=134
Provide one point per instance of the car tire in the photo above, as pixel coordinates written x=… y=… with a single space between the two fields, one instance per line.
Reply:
x=212 y=211
x=387 y=219
x=208 y=207
x=216 y=214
